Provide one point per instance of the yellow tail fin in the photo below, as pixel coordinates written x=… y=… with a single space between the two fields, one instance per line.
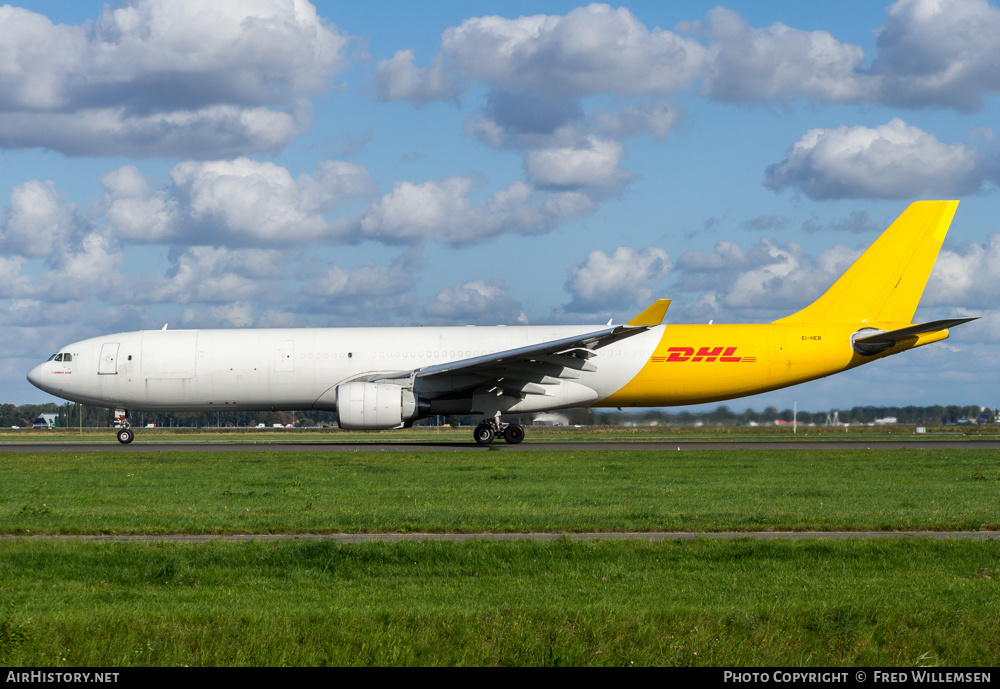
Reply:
x=886 y=282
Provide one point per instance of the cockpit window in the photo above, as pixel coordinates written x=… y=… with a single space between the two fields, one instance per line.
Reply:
x=51 y=357
x=58 y=357
x=67 y=357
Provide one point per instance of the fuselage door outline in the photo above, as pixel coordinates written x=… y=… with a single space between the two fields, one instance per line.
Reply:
x=109 y=359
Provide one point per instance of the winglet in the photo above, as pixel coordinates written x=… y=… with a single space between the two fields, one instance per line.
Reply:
x=652 y=315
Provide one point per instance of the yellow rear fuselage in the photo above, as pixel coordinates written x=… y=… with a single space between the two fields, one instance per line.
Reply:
x=706 y=363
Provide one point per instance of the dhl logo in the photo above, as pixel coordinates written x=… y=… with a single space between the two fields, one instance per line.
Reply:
x=705 y=354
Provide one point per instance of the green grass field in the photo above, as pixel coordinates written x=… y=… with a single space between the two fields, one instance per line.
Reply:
x=568 y=602
x=913 y=602
x=563 y=491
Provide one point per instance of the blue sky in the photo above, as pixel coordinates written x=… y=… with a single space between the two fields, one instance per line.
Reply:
x=279 y=163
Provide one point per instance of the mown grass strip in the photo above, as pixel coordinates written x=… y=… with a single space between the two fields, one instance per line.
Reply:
x=704 y=602
x=563 y=491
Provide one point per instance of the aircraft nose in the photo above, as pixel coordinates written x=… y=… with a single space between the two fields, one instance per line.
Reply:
x=35 y=377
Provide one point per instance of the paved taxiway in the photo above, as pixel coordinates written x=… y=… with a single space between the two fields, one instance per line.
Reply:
x=429 y=446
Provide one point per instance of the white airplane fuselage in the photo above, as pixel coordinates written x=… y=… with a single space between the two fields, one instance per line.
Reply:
x=300 y=368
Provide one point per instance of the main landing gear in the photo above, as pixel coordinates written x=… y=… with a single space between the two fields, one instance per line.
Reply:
x=491 y=428
x=125 y=432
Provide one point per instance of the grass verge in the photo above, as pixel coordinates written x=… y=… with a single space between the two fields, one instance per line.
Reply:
x=739 y=603
x=467 y=492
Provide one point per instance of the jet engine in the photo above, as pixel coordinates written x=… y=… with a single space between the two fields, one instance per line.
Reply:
x=363 y=406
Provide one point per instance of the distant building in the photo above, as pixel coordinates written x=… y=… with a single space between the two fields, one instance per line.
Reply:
x=45 y=421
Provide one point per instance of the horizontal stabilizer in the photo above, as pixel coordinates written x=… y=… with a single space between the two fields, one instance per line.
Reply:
x=652 y=315
x=891 y=337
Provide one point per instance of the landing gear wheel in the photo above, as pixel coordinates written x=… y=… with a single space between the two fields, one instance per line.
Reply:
x=513 y=434
x=483 y=434
x=125 y=436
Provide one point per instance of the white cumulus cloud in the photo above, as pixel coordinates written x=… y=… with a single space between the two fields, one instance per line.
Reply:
x=627 y=277
x=781 y=63
x=594 y=165
x=892 y=161
x=92 y=268
x=967 y=277
x=538 y=68
x=260 y=202
x=204 y=274
x=12 y=282
x=365 y=294
x=166 y=77
x=636 y=120
x=236 y=315
x=133 y=211
x=939 y=52
x=39 y=222
x=766 y=281
x=399 y=79
x=475 y=302
x=444 y=211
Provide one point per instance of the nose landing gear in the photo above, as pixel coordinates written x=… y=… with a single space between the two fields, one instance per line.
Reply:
x=491 y=428
x=125 y=432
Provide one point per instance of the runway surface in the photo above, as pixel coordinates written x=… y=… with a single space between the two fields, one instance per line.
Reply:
x=528 y=446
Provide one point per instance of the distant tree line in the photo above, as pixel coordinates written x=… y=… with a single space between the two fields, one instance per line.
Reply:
x=724 y=416
x=73 y=415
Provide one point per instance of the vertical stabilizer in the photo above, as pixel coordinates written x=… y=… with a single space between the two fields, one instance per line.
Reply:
x=887 y=281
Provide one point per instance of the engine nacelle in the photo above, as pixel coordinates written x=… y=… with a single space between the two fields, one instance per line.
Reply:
x=365 y=406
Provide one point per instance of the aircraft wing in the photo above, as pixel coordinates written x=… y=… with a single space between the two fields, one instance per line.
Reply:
x=527 y=369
